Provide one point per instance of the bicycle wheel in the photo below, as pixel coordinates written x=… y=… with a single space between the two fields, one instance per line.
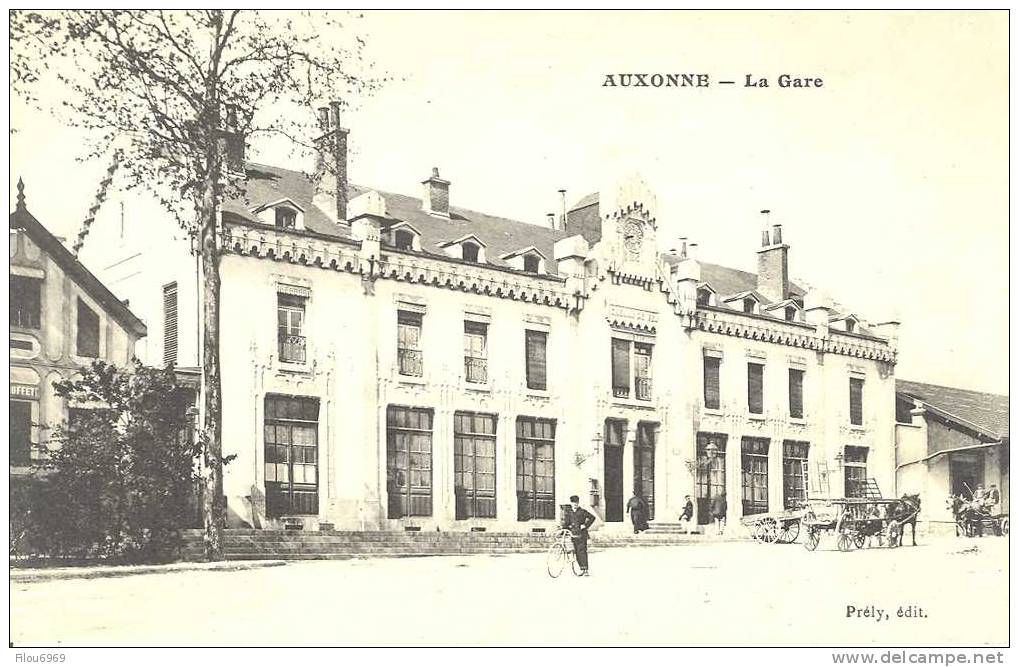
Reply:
x=555 y=560
x=1003 y=526
x=576 y=566
x=813 y=538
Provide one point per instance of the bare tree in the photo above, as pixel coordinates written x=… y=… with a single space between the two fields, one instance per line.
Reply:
x=172 y=91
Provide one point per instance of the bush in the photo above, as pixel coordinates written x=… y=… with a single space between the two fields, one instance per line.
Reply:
x=119 y=485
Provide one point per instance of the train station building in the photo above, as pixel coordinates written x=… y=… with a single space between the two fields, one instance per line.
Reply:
x=394 y=361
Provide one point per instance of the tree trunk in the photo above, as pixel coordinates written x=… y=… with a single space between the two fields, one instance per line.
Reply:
x=212 y=431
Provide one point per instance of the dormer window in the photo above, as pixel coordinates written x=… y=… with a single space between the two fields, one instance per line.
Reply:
x=403 y=239
x=703 y=297
x=468 y=248
x=286 y=218
x=850 y=325
x=790 y=313
x=531 y=263
x=748 y=305
x=470 y=251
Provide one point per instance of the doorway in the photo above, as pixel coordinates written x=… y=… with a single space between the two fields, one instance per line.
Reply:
x=614 y=430
x=710 y=472
x=966 y=473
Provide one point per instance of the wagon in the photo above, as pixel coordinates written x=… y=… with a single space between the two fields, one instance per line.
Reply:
x=774 y=527
x=855 y=522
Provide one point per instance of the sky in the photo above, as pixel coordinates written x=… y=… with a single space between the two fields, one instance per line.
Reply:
x=890 y=181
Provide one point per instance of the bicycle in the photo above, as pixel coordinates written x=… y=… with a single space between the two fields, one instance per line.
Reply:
x=561 y=552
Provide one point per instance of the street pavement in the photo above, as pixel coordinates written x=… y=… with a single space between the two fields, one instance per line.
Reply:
x=951 y=592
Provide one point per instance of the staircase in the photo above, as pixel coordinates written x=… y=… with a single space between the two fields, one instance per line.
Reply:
x=248 y=544
x=666 y=528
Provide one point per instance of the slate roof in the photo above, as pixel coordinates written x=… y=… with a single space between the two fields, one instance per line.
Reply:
x=501 y=236
x=51 y=245
x=989 y=412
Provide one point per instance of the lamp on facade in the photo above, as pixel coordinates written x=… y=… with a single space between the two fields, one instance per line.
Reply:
x=596 y=443
x=838 y=459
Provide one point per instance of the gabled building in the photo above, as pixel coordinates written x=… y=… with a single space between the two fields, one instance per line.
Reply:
x=948 y=442
x=61 y=318
x=399 y=362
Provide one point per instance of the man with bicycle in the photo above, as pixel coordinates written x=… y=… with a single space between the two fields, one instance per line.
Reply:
x=578 y=521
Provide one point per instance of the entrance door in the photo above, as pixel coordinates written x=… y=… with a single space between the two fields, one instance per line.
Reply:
x=614 y=470
x=967 y=473
x=710 y=472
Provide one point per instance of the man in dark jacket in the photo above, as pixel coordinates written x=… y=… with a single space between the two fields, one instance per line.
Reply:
x=579 y=521
x=719 y=508
x=638 y=509
x=687 y=515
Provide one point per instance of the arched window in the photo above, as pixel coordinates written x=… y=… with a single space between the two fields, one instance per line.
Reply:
x=470 y=252
x=790 y=313
x=703 y=297
x=748 y=305
x=850 y=326
x=286 y=218
x=403 y=239
x=531 y=263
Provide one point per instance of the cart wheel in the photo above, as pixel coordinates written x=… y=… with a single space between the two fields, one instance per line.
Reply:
x=894 y=534
x=755 y=531
x=769 y=530
x=813 y=538
x=791 y=532
x=845 y=542
x=1003 y=526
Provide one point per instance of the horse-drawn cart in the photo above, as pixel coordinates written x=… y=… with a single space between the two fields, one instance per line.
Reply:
x=973 y=518
x=859 y=522
x=774 y=527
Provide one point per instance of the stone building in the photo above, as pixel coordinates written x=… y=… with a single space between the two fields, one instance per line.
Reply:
x=393 y=361
x=61 y=318
x=948 y=442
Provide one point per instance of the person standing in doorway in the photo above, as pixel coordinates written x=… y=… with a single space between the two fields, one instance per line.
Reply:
x=579 y=522
x=638 y=509
x=719 y=508
x=686 y=516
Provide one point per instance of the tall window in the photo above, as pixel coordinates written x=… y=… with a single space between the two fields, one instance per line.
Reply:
x=644 y=465
x=855 y=465
x=408 y=343
x=796 y=393
x=474 y=465
x=20 y=433
x=290 y=323
x=291 y=455
x=642 y=371
x=409 y=461
x=470 y=252
x=856 y=401
x=476 y=352
x=286 y=218
x=535 y=469
x=710 y=472
x=755 y=388
x=755 y=475
x=535 y=344
x=26 y=302
x=170 y=324
x=712 y=392
x=88 y=331
x=794 y=473
x=620 y=368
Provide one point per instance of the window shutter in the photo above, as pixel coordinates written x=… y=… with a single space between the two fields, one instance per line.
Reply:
x=535 y=351
x=755 y=388
x=170 y=324
x=712 y=394
x=620 y=364
x=795 y=393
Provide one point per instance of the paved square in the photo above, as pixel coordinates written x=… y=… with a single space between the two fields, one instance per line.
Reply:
x=706 y=594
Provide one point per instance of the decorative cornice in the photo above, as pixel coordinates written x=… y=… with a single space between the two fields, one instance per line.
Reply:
x=277 y=245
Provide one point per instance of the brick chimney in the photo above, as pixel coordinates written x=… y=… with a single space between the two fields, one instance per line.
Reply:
x=772 y=263
x=436 y=195
x=331 y=164
x=232 y=142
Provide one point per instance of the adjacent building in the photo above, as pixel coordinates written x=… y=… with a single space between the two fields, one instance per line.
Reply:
x=61 y=318
x=949 y=441
x=401 y=362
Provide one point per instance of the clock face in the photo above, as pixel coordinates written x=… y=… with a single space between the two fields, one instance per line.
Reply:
x=633 y=236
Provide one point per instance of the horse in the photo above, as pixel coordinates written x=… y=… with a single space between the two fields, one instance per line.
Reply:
x=903 y=513
x=968 y=515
